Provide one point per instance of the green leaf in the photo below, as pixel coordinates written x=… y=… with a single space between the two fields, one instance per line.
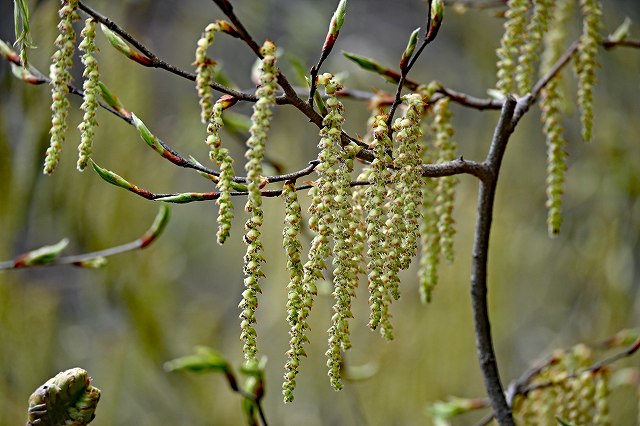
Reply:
x=111 y=177
x=205 y=360
x=26 y=75
x=366 y=63
x=146 y=135
x=443 y=411
x=21 y=17
x=121 y=46
x=371 y=65
x=359 y=373
x=299 y=69
x=112 y=100
x=185 y=197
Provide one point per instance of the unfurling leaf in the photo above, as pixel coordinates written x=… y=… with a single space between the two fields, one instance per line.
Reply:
x=203 y=361
x=122 y=47
x=66 y=399
x=622 y=32
x=41 y=256
x=411 y=46
x=437 y=15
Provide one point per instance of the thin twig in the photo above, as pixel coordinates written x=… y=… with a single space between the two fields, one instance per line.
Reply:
x=80 y=260
x=156 y=62
x=404 y=71
x=610 y=44
x=449 y=168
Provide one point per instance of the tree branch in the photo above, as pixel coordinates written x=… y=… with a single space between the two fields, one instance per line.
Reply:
x=40 y=257
x=486 y=198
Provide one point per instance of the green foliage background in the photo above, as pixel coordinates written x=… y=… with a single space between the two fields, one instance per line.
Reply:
x=122 y=322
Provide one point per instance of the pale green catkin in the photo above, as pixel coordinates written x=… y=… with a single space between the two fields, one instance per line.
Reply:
x=512 y=39
x=601 y=416
x=260 y=124
x=212 y=115
x=376 y=229
x=204 y=71
x=570 y=390
x=60 y=75
x=551 y=100
x=445 y=192
x=358 y=226
x=429 y=237
x=536 y=28
x=587 y=62
x=225 y=181
x=554 y=39
x=408 y=178
x=91 y=93
x=335 y=191
x=297 y=310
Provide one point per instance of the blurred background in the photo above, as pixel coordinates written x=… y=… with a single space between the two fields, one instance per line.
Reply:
x=121 y=323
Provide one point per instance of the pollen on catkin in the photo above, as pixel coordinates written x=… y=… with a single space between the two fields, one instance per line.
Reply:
x=335 y=194
x=204 y=71
x=601 y=397
x=59 y=73
x=445 y=192
x=260 y=124
x=536 y=28
x=297 y=309
x=376 y=228
x=407 y=194
x=512 y=39
x=91 y=93
x=221 y=157
x=555 y=37
x=429 y=236
x=551 y=100
x=586 y=62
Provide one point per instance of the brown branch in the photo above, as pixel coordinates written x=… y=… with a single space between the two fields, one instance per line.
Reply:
x=156 y=62
x=610 y=44
x=450 y=168
x=404 y=71
x=482 y=325
x=478 y=4
x=470 y=101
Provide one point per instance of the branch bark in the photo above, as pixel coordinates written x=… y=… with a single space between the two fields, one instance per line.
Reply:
x=482 y=325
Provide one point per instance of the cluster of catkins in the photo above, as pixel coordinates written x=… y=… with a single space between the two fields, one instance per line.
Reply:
x=567 y=388
x=383 y=222
x=372 y=230
x=540 y=26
